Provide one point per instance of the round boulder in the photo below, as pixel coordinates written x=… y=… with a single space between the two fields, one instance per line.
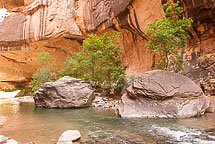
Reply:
x=66 y=92
x=162 y=94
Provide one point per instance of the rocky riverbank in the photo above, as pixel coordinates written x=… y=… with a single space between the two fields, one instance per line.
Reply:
x=105 y=102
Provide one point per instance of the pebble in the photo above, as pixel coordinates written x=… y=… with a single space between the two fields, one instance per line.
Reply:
x=25 y=99
x=104 y=102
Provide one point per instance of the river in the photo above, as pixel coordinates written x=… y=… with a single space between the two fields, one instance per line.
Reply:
x=26 y=123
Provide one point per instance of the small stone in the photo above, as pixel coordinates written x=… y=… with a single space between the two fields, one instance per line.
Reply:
x=69 y=136
x=3 y=139
x=11 y=141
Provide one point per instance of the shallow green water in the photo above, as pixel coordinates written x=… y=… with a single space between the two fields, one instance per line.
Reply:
x=25 y=123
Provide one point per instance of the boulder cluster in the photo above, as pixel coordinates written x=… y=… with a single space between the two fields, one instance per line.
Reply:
x=155 y=94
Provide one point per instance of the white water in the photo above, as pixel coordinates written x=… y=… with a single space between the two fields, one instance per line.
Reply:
x=186 y=135
x=4 y=14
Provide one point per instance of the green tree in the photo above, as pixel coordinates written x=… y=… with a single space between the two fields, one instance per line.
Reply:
x=98 y=61
x=44 y=73
x=168 y=38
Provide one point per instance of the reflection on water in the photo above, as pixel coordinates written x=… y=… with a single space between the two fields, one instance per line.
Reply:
x=25 y=123
x=8 y=106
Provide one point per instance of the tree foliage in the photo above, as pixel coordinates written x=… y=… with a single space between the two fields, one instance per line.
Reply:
x=167 y=38
x=44 y=73
x=98 y=61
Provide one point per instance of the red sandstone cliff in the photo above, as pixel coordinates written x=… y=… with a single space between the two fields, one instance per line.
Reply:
x=60 y=26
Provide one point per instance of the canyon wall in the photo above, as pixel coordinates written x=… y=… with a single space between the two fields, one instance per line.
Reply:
x=59 y=26
x=10 y=4
x=200 y=51
x=41 y=26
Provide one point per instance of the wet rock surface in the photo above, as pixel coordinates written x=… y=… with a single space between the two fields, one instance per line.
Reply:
x=66 y=92
x=6 y=140
x=162 y=94
x=69 y=136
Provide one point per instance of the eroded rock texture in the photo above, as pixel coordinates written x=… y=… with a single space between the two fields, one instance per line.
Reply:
x=162 y=94
x=130 y=18
x=60 y=26
x=200 y=50
x=10 y=4
x=42 y=26
x=66 y=92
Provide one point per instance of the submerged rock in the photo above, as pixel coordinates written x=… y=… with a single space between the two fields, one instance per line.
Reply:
x=66 y=92
x=162 y=94
x=69 y=136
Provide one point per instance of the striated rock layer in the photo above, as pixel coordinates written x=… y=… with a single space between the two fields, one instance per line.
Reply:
x=59 y=26
x=162 y=94
x=42 y=26
x=66 y=92
x=200 y=49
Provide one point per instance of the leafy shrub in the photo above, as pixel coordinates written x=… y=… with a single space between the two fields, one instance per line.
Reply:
x=167 y=38
x=98 y=61
x=43 y=73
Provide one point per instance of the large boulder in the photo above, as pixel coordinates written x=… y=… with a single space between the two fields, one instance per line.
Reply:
x=66 y=92
x=162 y=94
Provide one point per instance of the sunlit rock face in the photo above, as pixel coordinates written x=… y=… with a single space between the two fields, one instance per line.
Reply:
x=42 y=26
x=60 y=26
x=130 y=18
x=9 y=4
